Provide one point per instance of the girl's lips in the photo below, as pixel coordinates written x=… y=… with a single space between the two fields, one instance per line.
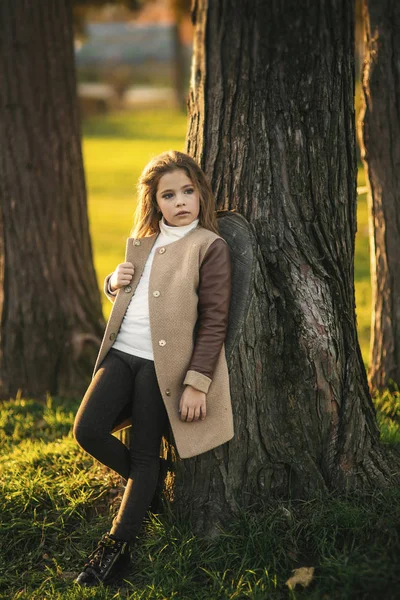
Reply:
x=182 y=214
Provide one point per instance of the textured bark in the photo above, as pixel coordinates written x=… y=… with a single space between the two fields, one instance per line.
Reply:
x=379 y=132
x=272 y=123
x=50 y=309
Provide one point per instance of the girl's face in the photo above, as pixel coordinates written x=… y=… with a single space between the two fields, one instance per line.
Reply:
x=175 y=194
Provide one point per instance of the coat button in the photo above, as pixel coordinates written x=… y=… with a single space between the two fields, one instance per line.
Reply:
x=156 y=294
x=167 y=392
x=137 y=243
x=112 y=336
x=161 y=251
x=128 y=289
x=162 y=342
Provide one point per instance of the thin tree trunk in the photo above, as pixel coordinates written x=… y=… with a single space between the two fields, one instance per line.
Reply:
x=181 y=8
x=179 y=67
x=272 y=124
x=51 y=320
x=379 y=133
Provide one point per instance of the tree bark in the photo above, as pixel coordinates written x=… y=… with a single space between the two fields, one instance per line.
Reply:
x=379 y=133
x=272 y=124
x=50 y=308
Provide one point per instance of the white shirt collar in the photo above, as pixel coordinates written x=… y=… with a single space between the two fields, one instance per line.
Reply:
x=176 y=232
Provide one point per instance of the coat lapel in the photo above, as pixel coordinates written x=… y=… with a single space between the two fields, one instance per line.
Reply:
x=137 y=254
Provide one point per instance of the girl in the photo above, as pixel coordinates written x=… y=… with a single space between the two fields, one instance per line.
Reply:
x=162 y=356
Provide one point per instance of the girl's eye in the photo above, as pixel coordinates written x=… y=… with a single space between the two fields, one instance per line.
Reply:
x=190 y=190
x=166 y=196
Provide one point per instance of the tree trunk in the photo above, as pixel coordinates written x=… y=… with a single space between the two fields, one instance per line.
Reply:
x=181 y=9
x=379 y=133
x=179 y=67
x=50 y=310
x=272 y=124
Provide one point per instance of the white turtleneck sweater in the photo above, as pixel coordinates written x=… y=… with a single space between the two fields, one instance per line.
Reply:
x=134 y=334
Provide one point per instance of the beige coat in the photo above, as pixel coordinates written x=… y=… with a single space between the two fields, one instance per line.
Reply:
x=173 y=314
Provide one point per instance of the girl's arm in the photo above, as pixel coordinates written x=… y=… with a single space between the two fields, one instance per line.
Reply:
x=214 y=298
x=107 y=290
x=123 y=276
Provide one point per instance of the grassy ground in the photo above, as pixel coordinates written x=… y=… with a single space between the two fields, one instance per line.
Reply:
x=55 y=500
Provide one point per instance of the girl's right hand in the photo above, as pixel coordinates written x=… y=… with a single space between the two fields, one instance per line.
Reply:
x=122 y=275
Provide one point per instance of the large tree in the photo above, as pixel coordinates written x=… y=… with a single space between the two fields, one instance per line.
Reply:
x=379 y=132
x=51 y=321
x=272 y=122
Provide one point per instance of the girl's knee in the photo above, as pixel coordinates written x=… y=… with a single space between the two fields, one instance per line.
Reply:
x=84 y=436
x=79 y=434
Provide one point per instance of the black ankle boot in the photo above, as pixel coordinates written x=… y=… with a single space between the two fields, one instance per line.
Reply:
x=107 y=563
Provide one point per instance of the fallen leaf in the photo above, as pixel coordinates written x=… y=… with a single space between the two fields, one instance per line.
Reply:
x=69 y=575
x=303 y=576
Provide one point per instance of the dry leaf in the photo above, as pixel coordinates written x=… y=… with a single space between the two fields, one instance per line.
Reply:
x=303 y=576
x=69 y=575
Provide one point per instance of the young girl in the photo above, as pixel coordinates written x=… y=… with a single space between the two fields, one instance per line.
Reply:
x=162 y=356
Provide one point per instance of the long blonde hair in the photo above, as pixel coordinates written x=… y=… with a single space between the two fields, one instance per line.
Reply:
x=147 y=215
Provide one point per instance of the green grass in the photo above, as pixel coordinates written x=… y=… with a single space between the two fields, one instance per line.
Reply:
x=362 y=271
x=56 y=500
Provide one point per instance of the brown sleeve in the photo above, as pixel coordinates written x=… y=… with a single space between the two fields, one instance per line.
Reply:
x=214 y=298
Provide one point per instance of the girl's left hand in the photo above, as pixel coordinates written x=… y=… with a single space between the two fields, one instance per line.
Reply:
x=192 y=405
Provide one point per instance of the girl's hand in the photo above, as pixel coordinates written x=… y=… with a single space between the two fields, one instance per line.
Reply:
x=192 y=405
x=122 y=276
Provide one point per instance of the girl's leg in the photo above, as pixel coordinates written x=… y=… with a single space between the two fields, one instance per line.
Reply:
x=149 y=421
x=109 y=391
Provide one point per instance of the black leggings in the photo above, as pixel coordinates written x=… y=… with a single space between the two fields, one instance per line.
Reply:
x=124 y=378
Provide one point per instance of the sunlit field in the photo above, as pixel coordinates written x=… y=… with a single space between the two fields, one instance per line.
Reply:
x=362 y=271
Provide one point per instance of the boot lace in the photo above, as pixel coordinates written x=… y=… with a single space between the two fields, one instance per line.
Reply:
x=102 y=556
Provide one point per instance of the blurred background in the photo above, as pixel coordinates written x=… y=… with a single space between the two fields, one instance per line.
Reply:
x=133 y=58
